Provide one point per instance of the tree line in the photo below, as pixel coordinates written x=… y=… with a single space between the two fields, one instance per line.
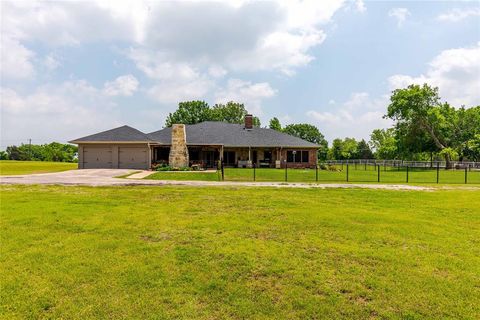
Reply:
x=58 y=152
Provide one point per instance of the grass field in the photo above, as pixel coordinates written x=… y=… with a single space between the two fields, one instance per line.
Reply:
x=238 y=253
x=309 y=175
x=10 y=167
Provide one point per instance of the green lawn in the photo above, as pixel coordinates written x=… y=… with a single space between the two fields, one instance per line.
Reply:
x=10 y=167
x=238 y=253
x=387 y=175
x=185 y=176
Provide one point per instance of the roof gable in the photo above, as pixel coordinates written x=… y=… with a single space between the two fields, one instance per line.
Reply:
x=120 y=134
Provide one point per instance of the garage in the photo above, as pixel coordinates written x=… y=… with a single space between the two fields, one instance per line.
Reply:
x=97 y=157
x=132 y=158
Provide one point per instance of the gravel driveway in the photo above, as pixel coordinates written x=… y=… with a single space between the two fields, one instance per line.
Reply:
x=106 y=177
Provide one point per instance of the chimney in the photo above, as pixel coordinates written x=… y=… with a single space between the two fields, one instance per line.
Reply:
x=248 y=122
x=178 y=157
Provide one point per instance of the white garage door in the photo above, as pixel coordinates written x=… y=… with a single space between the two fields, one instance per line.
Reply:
x=97 y=157
x=132 y=158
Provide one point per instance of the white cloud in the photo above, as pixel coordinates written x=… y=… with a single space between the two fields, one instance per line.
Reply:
x=455 y=71
x=217 y=71
x=400 y=14
x=54 y=112
x=227 y=34
x=51 y=62
x=356 y=117
x=172 y=92
x=455 y=15
x=360 y=6
x=122 y=86
x=251 y=94
x=17 y=60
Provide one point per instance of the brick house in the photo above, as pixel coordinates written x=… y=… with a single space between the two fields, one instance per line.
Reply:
x=204 y=144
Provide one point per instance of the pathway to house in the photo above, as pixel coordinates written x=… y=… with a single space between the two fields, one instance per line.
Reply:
x=107 y=177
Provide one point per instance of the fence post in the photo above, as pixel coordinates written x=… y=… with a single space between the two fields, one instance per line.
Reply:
x=347 y=172
x=316 y=173
x=254 y=177
x=223 y=171
x=466 y=175
x=407 y=173
x=378 y=174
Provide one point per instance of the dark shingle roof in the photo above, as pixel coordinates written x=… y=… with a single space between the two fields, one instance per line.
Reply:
x=231 y=135
x=120 y=134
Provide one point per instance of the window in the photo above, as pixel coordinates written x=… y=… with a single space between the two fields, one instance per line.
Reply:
x=229 y=157
x=304 y=156
x=297 y=156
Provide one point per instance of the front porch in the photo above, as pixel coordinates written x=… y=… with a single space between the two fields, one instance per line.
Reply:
x=241 y=157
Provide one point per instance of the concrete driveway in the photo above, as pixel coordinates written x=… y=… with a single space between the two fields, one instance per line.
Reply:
x=89 y=177
x=106 y=177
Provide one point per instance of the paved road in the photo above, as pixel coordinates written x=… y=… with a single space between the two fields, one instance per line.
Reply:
x=106 y=177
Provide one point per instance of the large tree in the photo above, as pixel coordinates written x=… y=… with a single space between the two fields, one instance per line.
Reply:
x=189 y=112
x=418 y=108
x=231 y=112
x=192 y=112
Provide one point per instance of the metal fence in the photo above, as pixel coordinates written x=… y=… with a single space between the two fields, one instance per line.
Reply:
x=404 y=163
x=388 y=171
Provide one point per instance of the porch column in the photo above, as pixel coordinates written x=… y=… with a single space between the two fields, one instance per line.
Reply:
x=149 y=155
x=249 y=152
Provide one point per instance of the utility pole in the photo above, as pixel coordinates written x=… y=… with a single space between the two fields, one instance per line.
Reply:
x=30 y=148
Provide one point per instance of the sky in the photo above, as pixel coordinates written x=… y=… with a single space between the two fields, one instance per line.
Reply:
x=69 y=69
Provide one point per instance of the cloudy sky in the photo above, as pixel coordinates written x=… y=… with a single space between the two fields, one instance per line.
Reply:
x=73 y=68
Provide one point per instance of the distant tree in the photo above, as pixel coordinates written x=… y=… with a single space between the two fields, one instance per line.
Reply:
x=335 y=152
x=343 y=149
x=3 y=155
x=275 y=124
x=349 y=148
x=47 y=152
x=363 y=150
x=14 y=153
x=189 y=112
x=384 y=143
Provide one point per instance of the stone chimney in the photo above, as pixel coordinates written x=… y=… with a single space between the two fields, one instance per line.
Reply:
x=178 y=157
x=248 y=121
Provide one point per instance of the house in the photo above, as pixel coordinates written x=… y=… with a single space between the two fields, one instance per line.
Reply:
x=204 y=144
